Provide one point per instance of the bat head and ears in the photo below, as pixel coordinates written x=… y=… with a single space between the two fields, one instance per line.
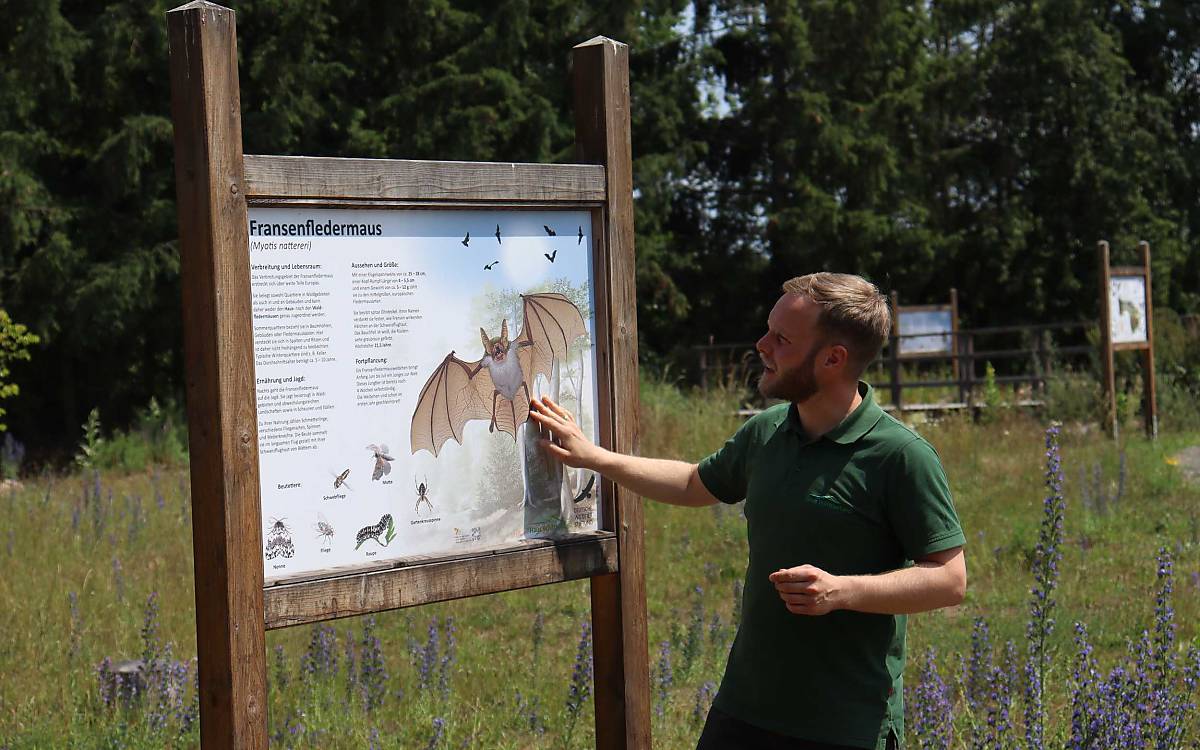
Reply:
x=496 y=348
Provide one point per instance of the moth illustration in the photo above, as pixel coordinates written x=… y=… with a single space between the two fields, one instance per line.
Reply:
x=497 y=386
x=279 y=540
x=383 y=462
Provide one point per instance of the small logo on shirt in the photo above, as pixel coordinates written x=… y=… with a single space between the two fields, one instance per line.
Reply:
x=829 y=501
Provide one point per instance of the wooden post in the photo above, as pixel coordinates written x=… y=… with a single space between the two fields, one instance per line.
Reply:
x=1150 y=402
x=894 y=354
x=621 y=651
x=954 y=350
x=1106 y=347
x=219 y=373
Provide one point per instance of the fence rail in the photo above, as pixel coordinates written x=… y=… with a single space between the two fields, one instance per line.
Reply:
x=1042 y=349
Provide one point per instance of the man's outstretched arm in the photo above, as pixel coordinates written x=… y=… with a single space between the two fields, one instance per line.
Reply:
x=674 y=482
x=936 y=580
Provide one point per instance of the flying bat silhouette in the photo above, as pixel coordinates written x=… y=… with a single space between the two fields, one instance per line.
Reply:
x=580 y=241
x=550 y=256
x=498 y=235
x=550 y=231
x=383 y=462
x=467 y=240
x=488 y=266
x=497 y=386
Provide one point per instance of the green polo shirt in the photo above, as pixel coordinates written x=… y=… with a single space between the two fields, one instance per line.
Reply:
x=867 y=497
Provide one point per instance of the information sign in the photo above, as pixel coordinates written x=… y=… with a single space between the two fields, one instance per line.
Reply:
x=395 y=354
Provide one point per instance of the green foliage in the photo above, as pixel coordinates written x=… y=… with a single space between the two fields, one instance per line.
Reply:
x=983 y=145
x=157 y=438
x=15 y=340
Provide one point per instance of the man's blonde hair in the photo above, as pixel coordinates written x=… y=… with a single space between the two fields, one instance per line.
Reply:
x=854 y=313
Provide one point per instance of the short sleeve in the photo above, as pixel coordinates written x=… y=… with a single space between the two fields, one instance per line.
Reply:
x=919 y=503
x=724 y=472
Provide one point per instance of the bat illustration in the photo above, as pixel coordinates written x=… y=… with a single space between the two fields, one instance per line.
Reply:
x=497 y=386
x=550 y=231
x=488 y=267
x=550 y=256
x=467 y=240
x=580 y=241
x=383 y=462
x=498 y=235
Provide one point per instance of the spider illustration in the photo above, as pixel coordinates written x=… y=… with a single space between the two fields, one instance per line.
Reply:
x=279 y=540
x=324 y=530
x=422 y=495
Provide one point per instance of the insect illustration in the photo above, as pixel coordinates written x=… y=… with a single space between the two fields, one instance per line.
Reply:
x=550 y=256
x=489 y=266
x=324 y=530
x=422 y=495
x=383 y=462
x=466 y=241
x=580 y=241
x=550 y=231
x=384 y=529
x=498 y=235
x=340 y=479
x=497 y=386
x=279 y=540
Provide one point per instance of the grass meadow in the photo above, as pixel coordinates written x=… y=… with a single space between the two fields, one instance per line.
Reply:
x=98 y=566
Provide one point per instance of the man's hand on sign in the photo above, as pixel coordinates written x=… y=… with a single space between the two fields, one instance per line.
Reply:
x=562 y=437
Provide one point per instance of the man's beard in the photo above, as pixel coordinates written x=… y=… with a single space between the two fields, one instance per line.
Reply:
x=798 y=385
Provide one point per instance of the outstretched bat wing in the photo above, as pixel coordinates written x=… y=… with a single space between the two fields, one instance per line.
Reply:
x=551 y=324
x=451 y=397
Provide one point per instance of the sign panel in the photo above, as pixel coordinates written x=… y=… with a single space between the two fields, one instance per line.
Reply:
x=1127 y=308
x=935 y=329
x=395 y=355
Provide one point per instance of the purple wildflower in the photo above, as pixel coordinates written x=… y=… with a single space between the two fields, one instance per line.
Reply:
x=373 y=673
x=439 y=727
x=664 y=678
x=281 y=667
x=704 y=699
x=694 y=638
x=528 y=714
x=320 y=659
x=581 y=676
x=1046 y=557
x=932 y=719
x=449 y=651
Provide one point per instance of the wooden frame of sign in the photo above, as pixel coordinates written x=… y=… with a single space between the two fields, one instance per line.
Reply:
x=895 y=349
x=215 y=184
x=1140 y=339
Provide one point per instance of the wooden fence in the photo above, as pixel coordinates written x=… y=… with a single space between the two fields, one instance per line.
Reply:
x=1022 y=355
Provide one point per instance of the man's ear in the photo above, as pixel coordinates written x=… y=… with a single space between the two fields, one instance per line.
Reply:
x=837 y=356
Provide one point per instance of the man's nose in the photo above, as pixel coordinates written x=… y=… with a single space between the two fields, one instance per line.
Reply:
x=762 y=343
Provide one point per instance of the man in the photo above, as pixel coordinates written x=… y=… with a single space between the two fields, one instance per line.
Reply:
x=849 y=520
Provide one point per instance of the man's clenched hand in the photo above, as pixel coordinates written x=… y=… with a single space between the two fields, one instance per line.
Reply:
x=808 y=590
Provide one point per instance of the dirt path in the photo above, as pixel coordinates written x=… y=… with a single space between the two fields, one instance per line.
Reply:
x=1189 y=463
